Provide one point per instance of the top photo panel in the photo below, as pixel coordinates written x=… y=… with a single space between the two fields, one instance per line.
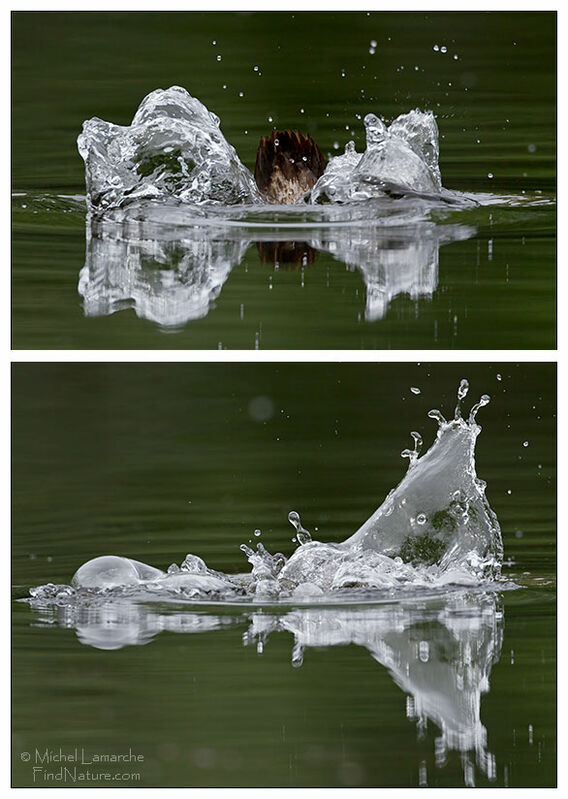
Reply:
x=280 y=180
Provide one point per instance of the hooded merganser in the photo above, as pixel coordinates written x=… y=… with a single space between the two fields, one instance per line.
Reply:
x=288 y=164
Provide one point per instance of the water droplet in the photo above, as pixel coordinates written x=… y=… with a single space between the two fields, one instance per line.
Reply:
x=525 y=443
x=490 y=175
x=437 y=415
x=375 y=129
x=463 y=389
x=257 y=533
x=302 y=535
x=421 y=518
x=193 y=564
x=219 y=58
x=297 y=655
x=485 y=399
x=415 y=390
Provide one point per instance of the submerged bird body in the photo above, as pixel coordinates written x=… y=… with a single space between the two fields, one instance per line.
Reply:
x=288 y=164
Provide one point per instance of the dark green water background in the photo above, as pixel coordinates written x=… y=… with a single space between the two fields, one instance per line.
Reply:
x=495 y=104
x=154 y=461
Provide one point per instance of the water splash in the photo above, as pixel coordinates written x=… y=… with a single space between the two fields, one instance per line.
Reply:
x=439 y=515
x=412 y=454
x=435 y=529
x=174 y=150
x=400 y=159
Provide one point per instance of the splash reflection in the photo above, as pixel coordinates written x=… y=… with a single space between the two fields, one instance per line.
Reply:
x=439 y=650
x=169 y=263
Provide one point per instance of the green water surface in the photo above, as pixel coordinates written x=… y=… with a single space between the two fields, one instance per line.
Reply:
x=493 y=92
x=154 y=461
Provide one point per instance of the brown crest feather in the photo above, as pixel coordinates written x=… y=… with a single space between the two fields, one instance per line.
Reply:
x=288 y=163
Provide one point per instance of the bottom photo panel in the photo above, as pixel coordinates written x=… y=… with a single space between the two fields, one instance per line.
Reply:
x=284 y=575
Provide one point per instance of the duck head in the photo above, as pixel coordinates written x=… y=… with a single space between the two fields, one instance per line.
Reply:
x=288 y=164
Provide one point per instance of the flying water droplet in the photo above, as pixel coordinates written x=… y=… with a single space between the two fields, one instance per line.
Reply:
x=412 y=454
x=375 y=129
x=302 y=535
x=463 y=389
x=485 y=399
x=437 y=415
x=462 y=394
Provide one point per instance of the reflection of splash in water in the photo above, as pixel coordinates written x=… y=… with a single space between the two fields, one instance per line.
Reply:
x=439 y=651
x=169 y=279
x=170 y=265
x=395 y=261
